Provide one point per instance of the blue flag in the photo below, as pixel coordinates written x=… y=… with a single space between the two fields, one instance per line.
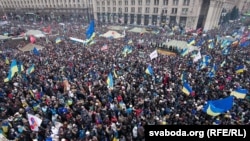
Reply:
x=90 y=30
x=35 y=51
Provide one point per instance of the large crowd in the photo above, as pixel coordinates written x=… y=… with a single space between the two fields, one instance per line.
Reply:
x=88 y=110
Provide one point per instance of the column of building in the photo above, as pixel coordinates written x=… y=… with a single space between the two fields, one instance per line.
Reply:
x=219 y=13
x=215 y=13
x=210 y=14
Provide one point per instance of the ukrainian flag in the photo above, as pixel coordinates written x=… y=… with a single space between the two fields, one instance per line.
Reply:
x=149 y=70
x=12 y=71
x=110 y=81
x=191 y=41
x=226 y=51
x=35 y=106
x=7 y=61
x=217 y=107
x=31 y=69
x=92 y=42
x=210 y=40
x=20 y=67
x=211 y=45
x=5 y=126
x=114 y=72
x=211 y=74
x=223 y=63
x=240 y=69
x=239 y=93
x=184 y=52
x=186 y=89
x=183 y=77
x=31 y=93
x=58 y=40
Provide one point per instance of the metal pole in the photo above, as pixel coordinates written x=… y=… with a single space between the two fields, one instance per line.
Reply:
x=88 y=11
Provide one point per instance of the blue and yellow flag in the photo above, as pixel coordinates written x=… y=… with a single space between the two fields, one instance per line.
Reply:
x=126 y=50
x=223 y=63
x=20 y=67
x=12 y=71
x=211 y=45
x=217 y=107
x=184 y=52
x=110 y=81
x=35 y=106
x=149 y=70
x=58 y=40
x=186 y=89
x=239 y=93
x=7 y=61
x=240 y=69
x=191 y=41
x=31 y=69
x=183 y=77
x=114 y=72
x=5 y=126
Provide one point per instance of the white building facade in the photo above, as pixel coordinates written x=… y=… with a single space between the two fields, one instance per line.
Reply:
x=191 y=14
x=68 y=8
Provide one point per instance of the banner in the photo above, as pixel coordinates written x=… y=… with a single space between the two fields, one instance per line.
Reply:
x=34 y=122
x=153 y=55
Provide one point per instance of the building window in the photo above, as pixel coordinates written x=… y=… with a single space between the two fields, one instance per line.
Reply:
x=165 y=2
x=132 y=9
x=139 y=10
x=126 y=9
x=108 y=2
x=103 y=9
x=174 y=10
x=132 y=2
x=147 y=10
x=164 y=11
x=103 y=3
x=155 y=10
x=120 y=10
x=184 y=11
x=114 y=9
x=109 y=9
x=114 y=2
x=147 y=2
x=126 y=2
x=156 y=2
x=175 y=2
x=120 y=2
x=139 y=2
x=186 y=2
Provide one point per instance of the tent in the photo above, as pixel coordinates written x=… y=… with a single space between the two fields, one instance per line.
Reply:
x=116 y=27
x=112 y=34
x=4 y=37
x=36 y=33
x=138 y=30
x=181 y=45
x=30 y=47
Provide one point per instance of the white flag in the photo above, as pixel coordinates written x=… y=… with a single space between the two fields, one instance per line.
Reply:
x=124 y=33
x=197 y=57
x=34 y=122
x=153 y=55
